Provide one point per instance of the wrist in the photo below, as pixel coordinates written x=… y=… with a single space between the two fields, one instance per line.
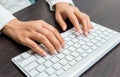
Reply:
x=10 y=26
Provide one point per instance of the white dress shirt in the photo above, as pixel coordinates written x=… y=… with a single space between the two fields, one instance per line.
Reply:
x=8 y=7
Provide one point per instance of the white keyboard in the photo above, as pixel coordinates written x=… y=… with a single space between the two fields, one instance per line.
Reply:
x=80 y=53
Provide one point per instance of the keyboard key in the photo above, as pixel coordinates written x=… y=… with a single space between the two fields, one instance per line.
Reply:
x=33 y=73
x=107 y=38
x=59 y=72
x=85 y=47
x=66 y=52
x=99 y=44
x=31 y=66
x=90 y=44
x=66 y=67
x=102 y=35
x=25 y=55
x=70 y=43
x=63 y=61
x=71 y=48
x=75 y=40
x=54 y=59
x=69 y=58
x=103 y=41
x=18 y=59
x=77 y=45
x=80 y=50
x=73 y=62
x=60 y=56
x=86 y=39
x=89 y=51
x=47 y=57
x=94 y=47
x=41 y=68
x=27 y=61
x=98 y=38
x=84 y=54
x=110 y=35
x=67 y=39
x=106 y=33
x=48 y=63
x=68 y=32
x=41 y=60
x=43 y=74
x=54 y=75
x=79 y=58
x=57 y=66
x=81 y=42
x=75 y=54
x=71 y=36
x=90 y=36
x=94 y=41
x=50 y=71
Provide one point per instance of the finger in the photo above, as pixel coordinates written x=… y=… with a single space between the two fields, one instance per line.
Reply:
x=61 y=21
x=88 y=21
x=43 y=39
x=74 y=21
x=31 y=44
x=51 y=37
x=56 y=33
x=81 y=17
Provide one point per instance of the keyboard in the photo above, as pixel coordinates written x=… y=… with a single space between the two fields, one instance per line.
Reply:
x=79 y=54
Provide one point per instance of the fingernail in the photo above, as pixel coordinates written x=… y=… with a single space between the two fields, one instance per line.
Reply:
x=54 y=52
x=86 y=33
x=64 y=28
x=63 y=45
x=59 y=50
x=80 y=31
x=44 y=54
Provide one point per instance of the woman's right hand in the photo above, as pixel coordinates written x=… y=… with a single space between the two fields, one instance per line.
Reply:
x=26 y=33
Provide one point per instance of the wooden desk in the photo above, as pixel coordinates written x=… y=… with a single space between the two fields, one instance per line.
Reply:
x=105 y=12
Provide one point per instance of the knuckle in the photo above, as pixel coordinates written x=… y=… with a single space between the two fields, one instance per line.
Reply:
x=43 y=38
x=22 y=40
x=83 y=18
x=41 y=21
x=76 y=8
x=49 y=34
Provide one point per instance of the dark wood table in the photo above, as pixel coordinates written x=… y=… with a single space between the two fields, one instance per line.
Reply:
x=104 y=12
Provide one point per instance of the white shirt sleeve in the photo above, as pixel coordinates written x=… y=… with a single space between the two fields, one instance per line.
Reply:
x=53 y=2
x=5 y=16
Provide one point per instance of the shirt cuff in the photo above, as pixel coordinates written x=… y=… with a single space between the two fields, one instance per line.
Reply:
x=53 y=2
x=5 y=17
